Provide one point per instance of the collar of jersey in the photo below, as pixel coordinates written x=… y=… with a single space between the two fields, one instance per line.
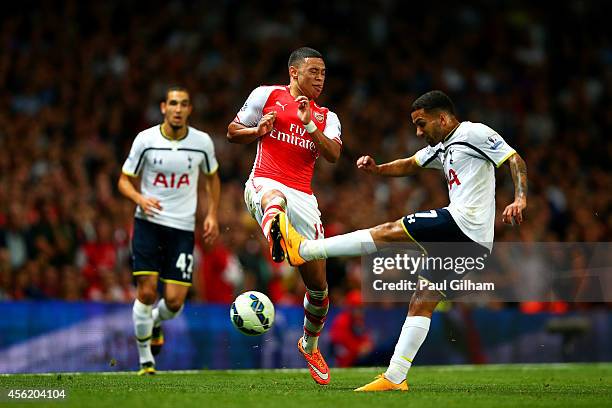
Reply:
x=452 y=132
x=161 y=131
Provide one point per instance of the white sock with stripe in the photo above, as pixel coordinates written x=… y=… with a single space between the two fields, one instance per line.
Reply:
x=316 y=306
x=414 y=332
x=352 y=244
x=161 y=313
x=143 y=327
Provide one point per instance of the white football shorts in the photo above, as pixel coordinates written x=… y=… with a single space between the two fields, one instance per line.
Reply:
x=302 y=208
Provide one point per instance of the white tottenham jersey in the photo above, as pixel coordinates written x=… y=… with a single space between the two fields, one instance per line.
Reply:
x=467 y=157
x=169 y=171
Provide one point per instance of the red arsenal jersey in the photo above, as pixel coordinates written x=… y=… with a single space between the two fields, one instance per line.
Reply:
x=287 y=153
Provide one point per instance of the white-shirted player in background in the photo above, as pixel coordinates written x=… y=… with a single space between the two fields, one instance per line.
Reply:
x=291 y=131
x=161 y=177
x=468 y=153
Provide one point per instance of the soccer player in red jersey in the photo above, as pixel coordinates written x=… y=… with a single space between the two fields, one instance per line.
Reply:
x=292 y=131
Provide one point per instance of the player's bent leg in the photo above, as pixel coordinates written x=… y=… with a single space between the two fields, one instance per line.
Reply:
x=142 y=315
x=169 y=307
x=173 y=301
x=273 y=203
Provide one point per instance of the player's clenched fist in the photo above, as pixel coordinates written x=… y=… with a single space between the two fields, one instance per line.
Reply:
x=266 y=123
x=367 y=164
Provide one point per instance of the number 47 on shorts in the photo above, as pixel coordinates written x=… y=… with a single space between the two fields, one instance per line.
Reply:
x=185 y=264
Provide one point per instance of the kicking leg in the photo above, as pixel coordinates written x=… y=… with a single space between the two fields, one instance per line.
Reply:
x=361 y=242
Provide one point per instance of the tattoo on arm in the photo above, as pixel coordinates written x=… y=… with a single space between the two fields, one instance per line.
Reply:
x=518 y=168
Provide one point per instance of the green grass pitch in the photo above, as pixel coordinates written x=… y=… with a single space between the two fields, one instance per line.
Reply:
x=542 y=385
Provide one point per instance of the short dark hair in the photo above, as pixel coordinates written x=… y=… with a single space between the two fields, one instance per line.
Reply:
x=298 y=56
x=434 y=100
x=173 y=88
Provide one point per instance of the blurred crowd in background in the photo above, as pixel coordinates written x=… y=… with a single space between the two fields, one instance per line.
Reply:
x=79 y=80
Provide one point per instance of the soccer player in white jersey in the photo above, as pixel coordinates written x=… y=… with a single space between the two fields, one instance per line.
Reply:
x=468 y=153
x=291 y=131
x=160 y=175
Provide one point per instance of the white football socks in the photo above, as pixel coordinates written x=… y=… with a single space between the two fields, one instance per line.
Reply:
x=413 y=334
x=143 y=327
x=352 y=244
x=161 y=313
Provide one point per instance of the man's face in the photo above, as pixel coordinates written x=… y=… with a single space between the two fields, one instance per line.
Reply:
x=310 y=76
x=428 y=126
x=176 y=108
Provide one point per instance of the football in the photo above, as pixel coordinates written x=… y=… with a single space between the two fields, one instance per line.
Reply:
x=252 y=313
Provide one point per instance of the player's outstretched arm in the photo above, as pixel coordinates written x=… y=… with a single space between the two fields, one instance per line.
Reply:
x=213 y=194
x=241 y=134
x=514 y=212
x=396 y=168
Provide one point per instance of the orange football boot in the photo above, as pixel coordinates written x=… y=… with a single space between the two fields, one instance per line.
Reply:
x=316 y=364
x=382 y=384
x=291 y=240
